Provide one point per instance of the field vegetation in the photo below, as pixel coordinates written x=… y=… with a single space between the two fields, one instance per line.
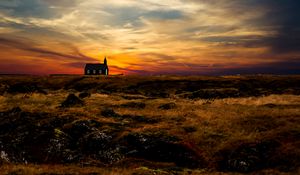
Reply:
x=150 y=125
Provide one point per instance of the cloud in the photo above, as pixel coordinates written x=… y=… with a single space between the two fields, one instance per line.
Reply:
x=278 y=18
x=37 y=8
x=157 y=56
x=281 y=67
x=29 y=47
x=285 y=15
x=24 y=8
x=76 y=64
x=282 y=17
x=291 y=66
x=129 y=71
x=165 y=15
x=166 y=36
x=62 y=3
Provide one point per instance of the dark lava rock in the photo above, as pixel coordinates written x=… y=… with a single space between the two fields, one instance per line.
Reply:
x=132 y=97
x=41 y=138
x=213 y=94
x=167 y=106
x=190 y=129
x=72 y=100
x=110 y=155
x=16 y=119
x=137 y=105
x=95 y=141
x=161 y=148
x=248 y=157
x=79 y=128
x=3 y=88
x=58 y=122
x=141 y=119
x=158 y=94
x=100 y=146
x=71 y=144
x=25 y=88
x=108 y=112
x=58 y=149
x=13 y=112
x=287 y=159
x=84 y=95
x=22 y=135
x=4 y=157
x=270 y=105
x=257 y=123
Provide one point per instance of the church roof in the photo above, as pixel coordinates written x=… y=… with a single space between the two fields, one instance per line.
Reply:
x=96 y=66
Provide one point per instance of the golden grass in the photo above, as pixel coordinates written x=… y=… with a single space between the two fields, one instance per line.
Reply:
x=215 y=123
x=217 y=115
x=77 y=170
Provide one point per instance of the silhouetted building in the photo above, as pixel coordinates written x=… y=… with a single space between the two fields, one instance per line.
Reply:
x=96 y=69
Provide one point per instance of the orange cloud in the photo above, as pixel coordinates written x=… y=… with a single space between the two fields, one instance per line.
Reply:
x=148 y=37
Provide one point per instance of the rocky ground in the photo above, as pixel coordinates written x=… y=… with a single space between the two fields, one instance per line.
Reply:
x=150 y=125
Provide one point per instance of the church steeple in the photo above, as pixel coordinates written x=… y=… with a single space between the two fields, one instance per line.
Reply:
x=105 y=61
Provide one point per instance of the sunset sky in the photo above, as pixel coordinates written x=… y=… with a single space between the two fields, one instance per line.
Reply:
x=184 y=37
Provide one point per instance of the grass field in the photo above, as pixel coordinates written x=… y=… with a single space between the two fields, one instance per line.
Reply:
x=149 y=125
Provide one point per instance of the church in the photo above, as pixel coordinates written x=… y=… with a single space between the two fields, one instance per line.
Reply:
x=97 y=69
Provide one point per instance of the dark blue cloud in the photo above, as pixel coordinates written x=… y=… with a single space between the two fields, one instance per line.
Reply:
x=287 y=15
x=123 y=15
x=165 y=15
x=282 y=16
x=36 y=8
x=28 y=8
x=61 y=3
x=288 y=67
